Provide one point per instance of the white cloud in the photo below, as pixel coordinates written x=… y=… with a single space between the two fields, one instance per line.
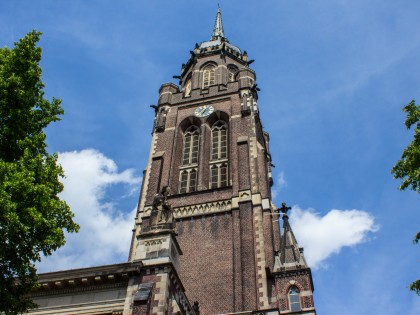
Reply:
x=323 y=236
x=280 y=183
x=105 y=230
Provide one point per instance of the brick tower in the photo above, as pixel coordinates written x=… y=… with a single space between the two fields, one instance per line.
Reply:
x=208 y=147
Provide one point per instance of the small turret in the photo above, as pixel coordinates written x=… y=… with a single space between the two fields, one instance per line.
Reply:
x=291 y=254
x=293 y=278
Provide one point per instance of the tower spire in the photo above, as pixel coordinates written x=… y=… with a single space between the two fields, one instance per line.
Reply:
x=291 y=254
x=218 y=26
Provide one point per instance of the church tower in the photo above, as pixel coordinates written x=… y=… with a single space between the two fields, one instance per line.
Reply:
x=210 y=151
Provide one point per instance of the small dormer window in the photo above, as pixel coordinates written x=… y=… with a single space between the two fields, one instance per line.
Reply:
x=209 y=76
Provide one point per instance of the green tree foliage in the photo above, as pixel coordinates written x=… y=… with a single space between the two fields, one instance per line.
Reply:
x=32 y=216
x=408 y=167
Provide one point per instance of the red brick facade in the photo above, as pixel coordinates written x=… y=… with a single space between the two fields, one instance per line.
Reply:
x=229 y=234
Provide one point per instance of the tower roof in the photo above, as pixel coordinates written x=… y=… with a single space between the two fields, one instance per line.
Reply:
x=290 y=255
x=218 y=35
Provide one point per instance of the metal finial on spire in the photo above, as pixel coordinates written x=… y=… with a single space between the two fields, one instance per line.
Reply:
x=218 y=25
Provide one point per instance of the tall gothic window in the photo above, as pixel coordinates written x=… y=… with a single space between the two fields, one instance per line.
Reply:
x=219 y=141
x=219 y=157
x=209 y=76
x=294 y=299
x=188 y=172
x=190 y=150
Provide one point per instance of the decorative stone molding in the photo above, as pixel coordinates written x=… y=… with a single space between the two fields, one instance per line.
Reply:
x=153 y=242
x=199 y=209
x=245 y=195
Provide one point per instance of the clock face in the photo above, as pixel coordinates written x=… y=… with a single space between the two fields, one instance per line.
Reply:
x=204 y=111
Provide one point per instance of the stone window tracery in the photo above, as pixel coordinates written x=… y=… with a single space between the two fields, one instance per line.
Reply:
x=218 y=175
x=188 y=181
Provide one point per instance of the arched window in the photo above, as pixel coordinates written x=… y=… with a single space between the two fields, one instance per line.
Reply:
x=188 y=171
x=218 y=175
x=294 y=299
x=188 y=181
x=190 y=150
x=219 y=155
x=232 y=73
x=219 y=141
x=187 y=87
x=209 y=76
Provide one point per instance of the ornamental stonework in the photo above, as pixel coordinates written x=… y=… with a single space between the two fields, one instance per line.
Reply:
x=198 y=209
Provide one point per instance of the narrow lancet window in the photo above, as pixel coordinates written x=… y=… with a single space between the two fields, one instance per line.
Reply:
x=188 y=172
x=219 y=141
x=219 y=155
x=294 y=299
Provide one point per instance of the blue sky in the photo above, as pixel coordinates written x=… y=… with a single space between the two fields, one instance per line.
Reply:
x=334 y=76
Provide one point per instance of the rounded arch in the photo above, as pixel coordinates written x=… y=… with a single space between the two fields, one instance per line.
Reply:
x=216 y=116
x=208 y=64
x=188 y=122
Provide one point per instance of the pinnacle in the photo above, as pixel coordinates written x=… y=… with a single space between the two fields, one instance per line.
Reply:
x=218 y=26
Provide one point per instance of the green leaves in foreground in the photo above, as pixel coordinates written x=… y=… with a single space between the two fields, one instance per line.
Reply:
x=32 y=216
x=408 y=167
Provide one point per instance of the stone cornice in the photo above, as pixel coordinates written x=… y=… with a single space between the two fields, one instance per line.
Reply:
x=198 y=100
x=294 y=272
x=92 y=277
x=219 y=206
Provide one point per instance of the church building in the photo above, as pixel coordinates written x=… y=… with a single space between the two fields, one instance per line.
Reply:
x=206 y=238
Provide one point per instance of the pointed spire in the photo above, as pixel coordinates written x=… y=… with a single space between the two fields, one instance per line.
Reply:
x=291 y=254
x=218 y=25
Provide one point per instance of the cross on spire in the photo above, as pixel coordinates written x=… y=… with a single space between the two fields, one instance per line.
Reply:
x=284 y=208
x=218 y=25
